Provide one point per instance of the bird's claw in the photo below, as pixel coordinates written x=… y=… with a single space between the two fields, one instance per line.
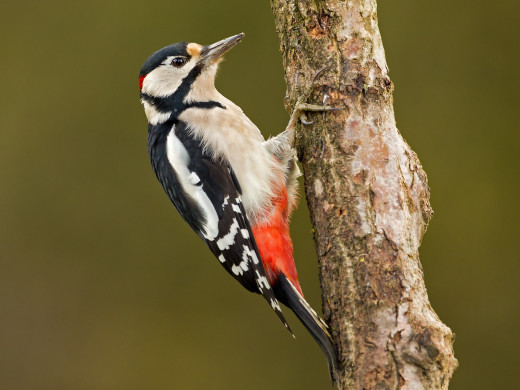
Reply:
x=303 y=119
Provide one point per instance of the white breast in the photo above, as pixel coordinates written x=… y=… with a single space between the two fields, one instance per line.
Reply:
x=230 y=134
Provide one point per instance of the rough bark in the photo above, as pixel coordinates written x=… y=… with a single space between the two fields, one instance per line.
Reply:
x=368 y=197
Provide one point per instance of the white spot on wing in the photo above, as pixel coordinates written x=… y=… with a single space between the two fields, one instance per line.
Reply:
x=275 y=305
x=226 y=201
x=236 y=209
x=221 y=258
x=240 y=268
x=179 y=160
x=245 y=233
x=237 y=270
x=229 y=239
x=262 y=281
x=194 y=178
x=251 y=254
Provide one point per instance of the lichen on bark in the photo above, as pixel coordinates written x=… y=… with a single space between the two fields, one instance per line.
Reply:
x=368 y=198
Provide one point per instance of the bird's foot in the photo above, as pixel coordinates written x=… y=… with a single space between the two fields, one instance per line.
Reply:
x=301 y=108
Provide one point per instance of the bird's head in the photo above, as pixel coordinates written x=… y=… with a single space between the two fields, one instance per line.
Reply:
x=185 y=68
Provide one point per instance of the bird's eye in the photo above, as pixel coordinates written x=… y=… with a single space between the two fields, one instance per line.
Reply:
x=179 y=62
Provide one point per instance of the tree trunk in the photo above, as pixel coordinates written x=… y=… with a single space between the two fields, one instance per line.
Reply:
x=368 y=198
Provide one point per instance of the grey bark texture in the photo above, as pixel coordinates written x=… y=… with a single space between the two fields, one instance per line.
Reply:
x=368 y=198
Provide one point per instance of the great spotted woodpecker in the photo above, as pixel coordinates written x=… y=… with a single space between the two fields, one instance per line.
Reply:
x=234 y=188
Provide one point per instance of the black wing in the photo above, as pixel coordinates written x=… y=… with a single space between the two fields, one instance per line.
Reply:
x=207 y=194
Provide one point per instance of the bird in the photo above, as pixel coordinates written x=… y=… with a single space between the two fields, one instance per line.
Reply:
x=233 y=187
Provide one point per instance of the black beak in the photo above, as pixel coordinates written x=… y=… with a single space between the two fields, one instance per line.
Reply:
x=215 y=51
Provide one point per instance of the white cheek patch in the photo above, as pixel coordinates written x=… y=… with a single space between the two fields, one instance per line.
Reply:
x=179 y=160
x=164 y=80
x=161 y=82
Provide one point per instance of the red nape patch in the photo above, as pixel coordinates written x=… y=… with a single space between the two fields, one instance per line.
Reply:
x=141 y=79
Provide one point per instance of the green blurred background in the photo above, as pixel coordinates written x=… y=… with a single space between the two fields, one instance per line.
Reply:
x=102 y=286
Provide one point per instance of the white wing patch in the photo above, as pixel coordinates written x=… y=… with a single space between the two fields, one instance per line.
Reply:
x=179 y=160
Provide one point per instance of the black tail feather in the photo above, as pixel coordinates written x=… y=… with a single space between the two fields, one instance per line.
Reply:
x=287 y=294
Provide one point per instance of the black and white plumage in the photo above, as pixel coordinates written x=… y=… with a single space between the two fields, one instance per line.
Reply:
x=234 y=189
x=207 y=195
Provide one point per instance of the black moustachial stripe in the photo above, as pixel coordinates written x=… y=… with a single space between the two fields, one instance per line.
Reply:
x=175 y=102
